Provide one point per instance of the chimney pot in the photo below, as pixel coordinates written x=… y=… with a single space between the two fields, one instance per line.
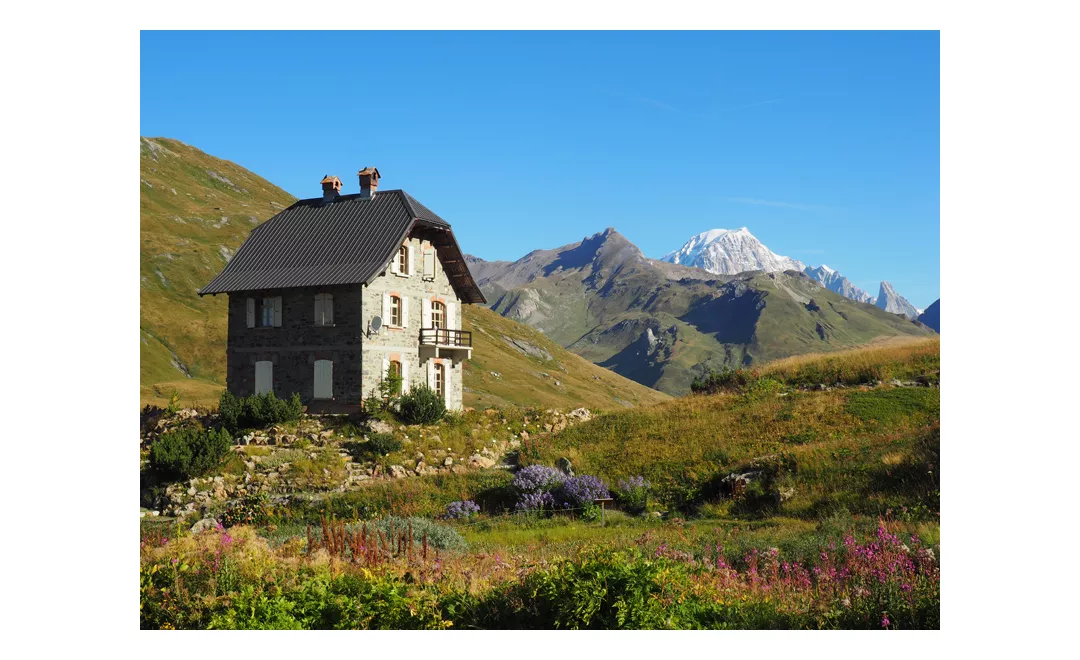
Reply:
x=331 y=188
x=369 y=182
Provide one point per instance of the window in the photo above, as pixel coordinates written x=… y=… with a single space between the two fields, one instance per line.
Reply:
x=440 y=379
x=403 y=260
x=395 y=311
x=395 y=372
x=264 y=312
x=324 y=379
x=324 y=309
x=264 y=377
x=438 y=315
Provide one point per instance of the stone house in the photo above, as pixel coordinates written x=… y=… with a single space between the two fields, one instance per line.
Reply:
x=334 y=292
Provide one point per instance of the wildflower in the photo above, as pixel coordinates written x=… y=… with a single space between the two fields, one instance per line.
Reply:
x=884 y=620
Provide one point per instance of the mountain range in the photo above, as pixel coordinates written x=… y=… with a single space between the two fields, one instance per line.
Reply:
x=663 y=323
x=733 y=251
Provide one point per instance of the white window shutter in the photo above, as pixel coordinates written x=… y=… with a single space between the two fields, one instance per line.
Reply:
x=394 y=263
x=404 y=375
x=277 y=311
x=425 y=313
x=386 y=309
x=404 y=311
x=431 y=374
x=448 y=368
x=251 y=312
x=324 y=379
x=328 y=309
x=385 y=368
x=264 y=377
x=450 y=316
x=429 y=264
x=408 y=257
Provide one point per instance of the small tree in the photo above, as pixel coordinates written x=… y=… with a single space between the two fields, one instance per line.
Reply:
x=421 y=405
x=189 y=452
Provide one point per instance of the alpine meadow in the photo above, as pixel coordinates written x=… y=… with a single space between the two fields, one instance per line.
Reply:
x=640 y=444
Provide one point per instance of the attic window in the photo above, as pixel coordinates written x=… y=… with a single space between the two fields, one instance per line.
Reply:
x=403 y=260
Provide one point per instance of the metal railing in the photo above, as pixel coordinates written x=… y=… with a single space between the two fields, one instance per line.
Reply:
x=445 y=337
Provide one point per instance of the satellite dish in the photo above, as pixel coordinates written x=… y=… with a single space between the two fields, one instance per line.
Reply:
x=376 y=323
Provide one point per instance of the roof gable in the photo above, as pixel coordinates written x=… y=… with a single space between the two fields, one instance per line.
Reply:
x=349 y=240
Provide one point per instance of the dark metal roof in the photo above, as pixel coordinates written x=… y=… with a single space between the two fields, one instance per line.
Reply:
x=350 y=240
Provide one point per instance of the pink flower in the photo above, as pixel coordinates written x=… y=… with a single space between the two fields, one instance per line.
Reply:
x=884 y=621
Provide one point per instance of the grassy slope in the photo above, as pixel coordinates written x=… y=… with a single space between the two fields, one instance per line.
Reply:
x=194 y=209
x=188 y=216
x=521 y=380
x=854 y=448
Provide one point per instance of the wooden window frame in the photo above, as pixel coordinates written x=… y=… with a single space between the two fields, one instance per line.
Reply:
x=438 y=310
x=395 y=311
x=440 y=379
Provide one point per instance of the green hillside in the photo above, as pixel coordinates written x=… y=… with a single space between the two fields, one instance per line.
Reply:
x=661 y=324
x=515 y=364
x=196 y=210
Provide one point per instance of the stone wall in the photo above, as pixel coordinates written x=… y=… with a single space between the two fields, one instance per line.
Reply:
x=297 y=343
x=403 y=343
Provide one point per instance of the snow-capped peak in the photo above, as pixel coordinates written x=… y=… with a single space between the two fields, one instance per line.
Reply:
x=891 y=301
x=729 y=251
x=826 y=269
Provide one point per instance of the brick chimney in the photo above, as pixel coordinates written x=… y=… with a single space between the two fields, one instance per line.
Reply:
x=331 y=188
x=369 y=182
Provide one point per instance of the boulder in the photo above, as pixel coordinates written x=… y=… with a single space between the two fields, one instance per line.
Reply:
x=481 y=461
x=398 y=471
x=580 y=415
x=379 y=426
x=448 y=462
x=203 y=525
x=565 y=465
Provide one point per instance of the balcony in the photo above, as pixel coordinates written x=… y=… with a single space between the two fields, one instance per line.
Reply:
x=445 y=343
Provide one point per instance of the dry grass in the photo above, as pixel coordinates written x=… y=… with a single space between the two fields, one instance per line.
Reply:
x=897 y=357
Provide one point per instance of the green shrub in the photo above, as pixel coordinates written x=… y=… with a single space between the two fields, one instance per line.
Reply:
x=725 y=380
x=439 y=535
x=189 y=451
x=421 y=405
x=383 y=443
x=257 y=411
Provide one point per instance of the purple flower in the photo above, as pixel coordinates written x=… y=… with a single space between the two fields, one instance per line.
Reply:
x=461 y=509
x=535 y=501
x=581 y=491
x=536 y=479
x=884 y=621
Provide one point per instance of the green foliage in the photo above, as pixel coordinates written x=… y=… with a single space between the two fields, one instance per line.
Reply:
x=439 y=535
x=189 y=451
x=421 y=405
x=174 y=403
x=383 y=443
x=724 y=380
x=257 y=411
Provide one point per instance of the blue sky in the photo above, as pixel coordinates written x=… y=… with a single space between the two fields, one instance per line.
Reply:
x=824 y=144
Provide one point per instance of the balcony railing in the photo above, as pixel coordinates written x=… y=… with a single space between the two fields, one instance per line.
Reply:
x=445 y=337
